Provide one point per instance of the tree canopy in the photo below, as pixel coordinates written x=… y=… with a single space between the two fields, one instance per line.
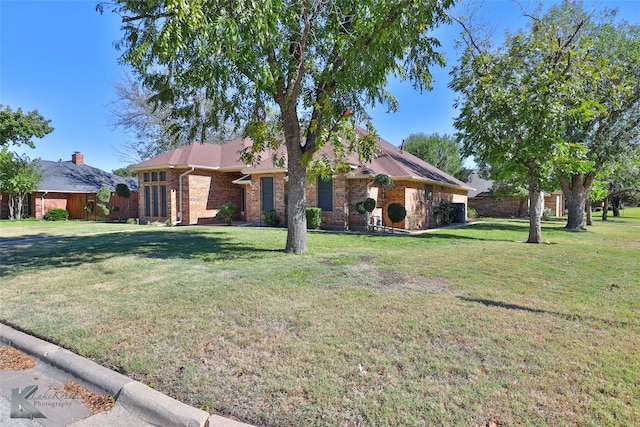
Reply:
x=442 y=151
x=19 y=176
x=552 y=103
x=19 y=128
x=294 y=73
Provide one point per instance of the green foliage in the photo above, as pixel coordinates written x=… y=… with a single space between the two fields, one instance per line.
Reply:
x=124 y=172
x=106 y=211
x=472 y=213
x=369 y=204
x=19 y=128
x=270 y=218
x=444 y=211
x=122 y=190
x=19 y=176
x=556 y=100
x=227 y=211
x=360 y=207
x=441 y=151
x=104 y=194
x=314 y=218
x=131 y=221
x=384 y=181
x=56 y=214
x=396 y=212
x=293 y=76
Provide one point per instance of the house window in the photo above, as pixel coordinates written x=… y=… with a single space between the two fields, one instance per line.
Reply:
x=154 y=176
x=155 y=201
x=147 y=201
x=163 y=200
x=163 y=176
x=266 y=193
x=146 y=177
x=325 y=194
x=154 y=189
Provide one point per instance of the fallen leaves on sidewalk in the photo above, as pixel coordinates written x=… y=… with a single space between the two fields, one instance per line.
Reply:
x=95 y=402
x=12 y=359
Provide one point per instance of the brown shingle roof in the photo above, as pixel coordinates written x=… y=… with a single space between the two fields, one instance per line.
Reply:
x=390 y=160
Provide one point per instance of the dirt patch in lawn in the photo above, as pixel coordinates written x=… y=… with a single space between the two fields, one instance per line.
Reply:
x=13 y=360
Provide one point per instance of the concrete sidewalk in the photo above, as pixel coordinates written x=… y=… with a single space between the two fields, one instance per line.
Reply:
x=136 y=404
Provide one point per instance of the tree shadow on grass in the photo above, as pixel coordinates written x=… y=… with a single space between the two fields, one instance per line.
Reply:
x=67 y=252
x=512 y=232
x=565 y=316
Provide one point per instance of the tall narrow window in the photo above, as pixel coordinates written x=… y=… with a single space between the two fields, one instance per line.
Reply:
x=325 y=194
x=163 y=200
x=155 y=200
x=266 y=189
x=147 y=201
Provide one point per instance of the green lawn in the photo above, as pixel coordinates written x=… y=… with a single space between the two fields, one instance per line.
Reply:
x=454 y=327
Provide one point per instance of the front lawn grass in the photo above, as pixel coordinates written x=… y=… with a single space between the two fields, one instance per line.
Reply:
x=455 y=327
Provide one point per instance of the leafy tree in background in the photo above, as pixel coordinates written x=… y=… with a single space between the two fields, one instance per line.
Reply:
x=603 y=125
x=124 y=172
x=619 y=179
x=19 y=176
x=551 y=102
x=442 y=151
x=19 y=128
x=316 y=64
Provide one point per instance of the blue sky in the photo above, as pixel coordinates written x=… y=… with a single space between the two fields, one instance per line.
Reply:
x=58 y=57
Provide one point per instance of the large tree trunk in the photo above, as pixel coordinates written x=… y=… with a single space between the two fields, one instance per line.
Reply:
x=536 y=198
x=587 y=209
x=576 y=192
x=616 y=201
x=296 y=209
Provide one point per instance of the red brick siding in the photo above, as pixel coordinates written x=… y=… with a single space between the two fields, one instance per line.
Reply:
x=253 y=197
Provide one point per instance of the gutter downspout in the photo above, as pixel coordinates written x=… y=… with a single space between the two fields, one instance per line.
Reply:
x=42 y=204
x=180 y=185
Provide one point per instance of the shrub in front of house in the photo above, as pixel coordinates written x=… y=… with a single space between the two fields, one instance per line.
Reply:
x=314 y=218
x=472 y=213
x=396 y=212
x=270 y=218
x=227 y=211
x=369 y=204
x=56 y=214
x=444 y=211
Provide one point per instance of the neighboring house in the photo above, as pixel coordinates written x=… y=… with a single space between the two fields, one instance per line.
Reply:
x=189 y=184
x=72 y=185
x=485 y=205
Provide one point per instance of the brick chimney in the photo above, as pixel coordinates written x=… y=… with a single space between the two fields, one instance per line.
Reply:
x=77 y=158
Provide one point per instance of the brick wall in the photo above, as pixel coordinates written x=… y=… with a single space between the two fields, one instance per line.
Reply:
x=253 y=197
x=207 y=191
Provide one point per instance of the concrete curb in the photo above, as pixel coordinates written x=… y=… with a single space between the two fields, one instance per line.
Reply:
x=150 y=405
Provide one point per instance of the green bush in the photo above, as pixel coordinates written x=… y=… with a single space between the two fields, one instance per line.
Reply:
x=314 y=218
x=270 y=218
x=360 y=207
x=131 y=221
x=56 y=214
x=396 y=212
x=472 y=213
x=227 y=211
x=369 y=204
x=444 y=211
